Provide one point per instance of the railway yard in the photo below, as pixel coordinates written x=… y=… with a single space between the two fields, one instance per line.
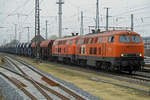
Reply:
x=83 y=50
x=33 y=84
x=24 y=80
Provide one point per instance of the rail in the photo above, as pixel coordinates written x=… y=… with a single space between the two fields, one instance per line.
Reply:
x=46 y=79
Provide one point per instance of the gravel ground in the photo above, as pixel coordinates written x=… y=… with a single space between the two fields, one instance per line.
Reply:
x=11 y=92
x=69 y=85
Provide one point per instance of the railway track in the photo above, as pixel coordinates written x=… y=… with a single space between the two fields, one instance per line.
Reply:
x=143 y=76
x=26 y=77
x=134 y=78
x=140 y=78
x=146 y=70
x=147 y=60
x=137 y=77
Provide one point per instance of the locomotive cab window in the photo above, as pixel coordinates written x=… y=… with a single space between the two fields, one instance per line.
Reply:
x=124 y=38
x=90 y=50
x=136 y=39
x=111 y=39
x=95 y=50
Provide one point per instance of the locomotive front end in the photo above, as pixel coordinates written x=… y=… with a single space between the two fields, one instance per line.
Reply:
x=130 y=51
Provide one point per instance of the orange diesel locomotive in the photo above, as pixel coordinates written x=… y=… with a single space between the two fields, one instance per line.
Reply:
x=64 y=49
x=109 y=50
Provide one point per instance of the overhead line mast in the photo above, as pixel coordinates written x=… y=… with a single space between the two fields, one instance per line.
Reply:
x=60 y=2
x=81 y=28
x=107 y=19
x=37 y=28
x=28 y=33
x=15 y=31
x=97 y=15
x=46 y=31
x=132 y=22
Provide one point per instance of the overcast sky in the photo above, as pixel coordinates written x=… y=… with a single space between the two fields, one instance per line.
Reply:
x=120 y=14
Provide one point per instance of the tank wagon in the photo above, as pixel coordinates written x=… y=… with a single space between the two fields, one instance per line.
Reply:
x=65 y=49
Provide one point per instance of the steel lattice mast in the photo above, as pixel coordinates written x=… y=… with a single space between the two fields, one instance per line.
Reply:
x=37 y=28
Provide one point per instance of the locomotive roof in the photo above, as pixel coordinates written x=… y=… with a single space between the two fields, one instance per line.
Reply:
x=104 y=33
x=108 y=33
x=119 y=32
x=72 y=37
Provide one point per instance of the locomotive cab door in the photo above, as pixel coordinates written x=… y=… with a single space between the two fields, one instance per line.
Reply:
x=103 y=49
x=110 y=45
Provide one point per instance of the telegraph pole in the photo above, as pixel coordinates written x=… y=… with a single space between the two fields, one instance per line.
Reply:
x=28 y=28
x=60 y=2
x=107 y=19
x=132 y=22
x=81 y=29
x=15 y=31
x=46 y=33
x=37 y=28
x=97 y=15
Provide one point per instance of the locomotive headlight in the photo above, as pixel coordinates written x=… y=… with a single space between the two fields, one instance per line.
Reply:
x=140 y=54
x=122 y=55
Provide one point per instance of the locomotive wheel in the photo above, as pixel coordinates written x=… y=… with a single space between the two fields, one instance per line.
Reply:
x=64 y=60
x=107 y=68
x=69 y=61
x=82 y=63
x=98 y=65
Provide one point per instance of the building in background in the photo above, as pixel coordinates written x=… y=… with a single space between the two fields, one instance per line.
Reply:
x=37 y=37
x=147 y=45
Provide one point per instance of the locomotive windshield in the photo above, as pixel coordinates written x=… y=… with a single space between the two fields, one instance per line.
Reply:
x=136 y=39
x=127 y=38
x=124 y=38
